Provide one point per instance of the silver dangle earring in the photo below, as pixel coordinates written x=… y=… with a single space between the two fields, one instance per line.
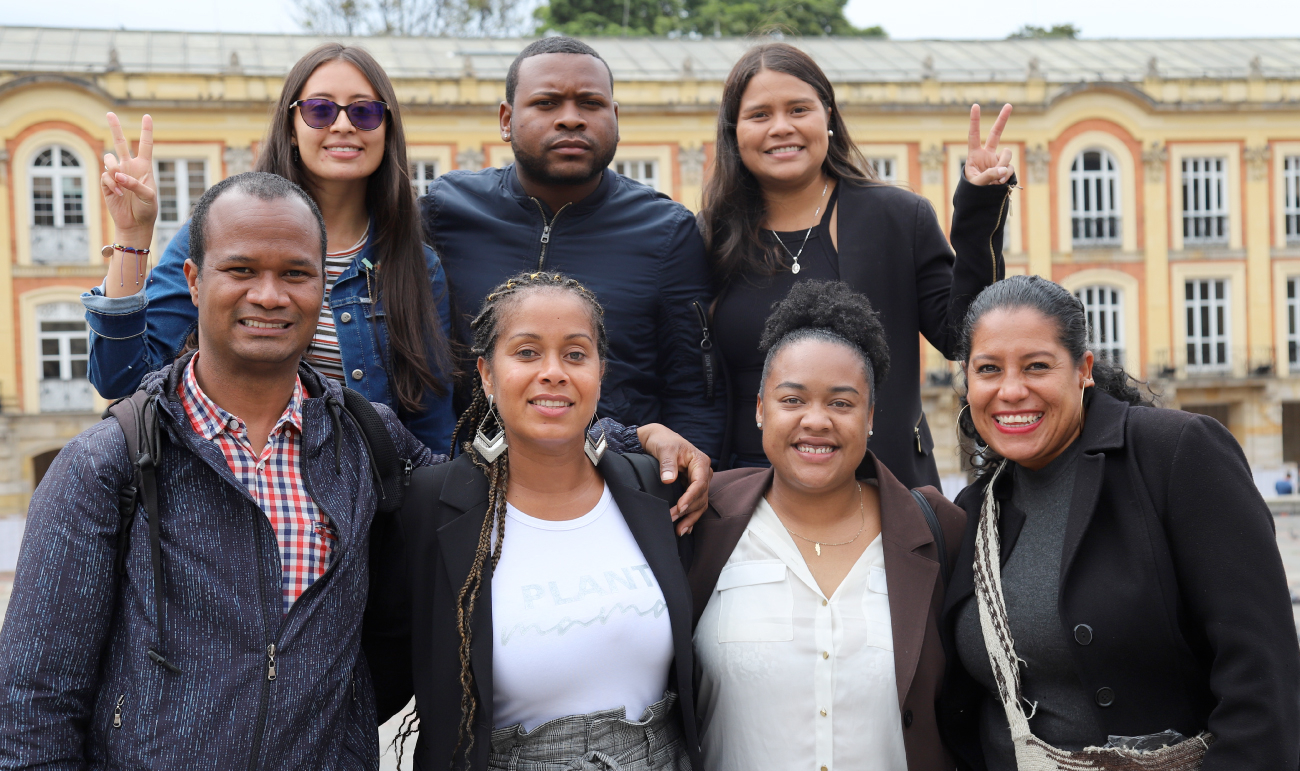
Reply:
x=595 y=450
x=490 y=449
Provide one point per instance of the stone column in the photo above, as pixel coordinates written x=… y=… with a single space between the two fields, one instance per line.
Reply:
x=1159 y=319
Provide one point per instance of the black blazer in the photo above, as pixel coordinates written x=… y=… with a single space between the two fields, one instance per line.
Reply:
x=1172 y=595
x=892 y=249
x=420 y=559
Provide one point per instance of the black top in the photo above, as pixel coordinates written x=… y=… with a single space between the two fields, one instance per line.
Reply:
x=742 y=311
x=1173 y=599
x=1030 y=581
x=891 y=249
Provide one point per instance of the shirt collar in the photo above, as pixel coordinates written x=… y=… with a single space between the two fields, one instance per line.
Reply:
x=209 y=420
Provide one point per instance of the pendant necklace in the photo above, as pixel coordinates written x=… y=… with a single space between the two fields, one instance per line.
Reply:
x=795 y=267
x=817 y=545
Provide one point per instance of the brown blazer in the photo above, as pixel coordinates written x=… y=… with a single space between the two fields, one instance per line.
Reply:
x=916 y=589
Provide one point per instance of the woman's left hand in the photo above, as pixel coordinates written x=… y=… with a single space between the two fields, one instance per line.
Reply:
x=673 y=452
x=984 y=164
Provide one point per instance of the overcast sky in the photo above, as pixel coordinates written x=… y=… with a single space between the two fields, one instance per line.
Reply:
x=908 y=19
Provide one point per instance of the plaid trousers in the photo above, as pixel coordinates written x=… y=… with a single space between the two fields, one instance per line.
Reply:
x=600 y=741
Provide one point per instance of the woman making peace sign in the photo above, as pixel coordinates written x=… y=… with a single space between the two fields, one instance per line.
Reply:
x=792 y=198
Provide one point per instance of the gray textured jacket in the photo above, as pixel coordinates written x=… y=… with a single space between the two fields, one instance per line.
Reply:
x=77 y=688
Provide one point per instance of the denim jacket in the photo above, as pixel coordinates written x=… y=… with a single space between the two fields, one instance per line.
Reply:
x=132 y=336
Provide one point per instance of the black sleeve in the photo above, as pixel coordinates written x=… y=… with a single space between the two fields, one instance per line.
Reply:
x=386 y=633
x=1231 y=578
x=945 y=286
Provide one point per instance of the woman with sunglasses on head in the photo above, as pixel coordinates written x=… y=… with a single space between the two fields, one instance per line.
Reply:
x=792 y=198
x=385 y=324
x=818 y=582
x=531 y=594
x=1119 y=602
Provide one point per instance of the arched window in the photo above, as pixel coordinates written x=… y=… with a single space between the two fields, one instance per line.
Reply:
x=1094 y=199
x=58 y=188
x=65 y=356
x=1104 y=308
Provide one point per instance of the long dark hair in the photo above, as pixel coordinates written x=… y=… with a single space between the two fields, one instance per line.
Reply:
x=1066 y=311
x=733 y=213
x=486 y=328
x=417 y=348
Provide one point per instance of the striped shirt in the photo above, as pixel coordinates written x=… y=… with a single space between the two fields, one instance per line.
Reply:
x=324 y=352
x=303 y=532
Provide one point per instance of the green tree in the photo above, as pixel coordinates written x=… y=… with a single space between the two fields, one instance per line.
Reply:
x=697 y=17
x=1030 y=32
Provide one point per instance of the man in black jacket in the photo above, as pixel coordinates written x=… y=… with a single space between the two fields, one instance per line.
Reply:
x=559 y=208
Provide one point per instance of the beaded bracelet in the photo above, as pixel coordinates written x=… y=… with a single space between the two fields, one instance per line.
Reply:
x=108 y=250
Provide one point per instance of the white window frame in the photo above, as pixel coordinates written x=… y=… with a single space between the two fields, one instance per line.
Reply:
x=1291 y=197
x=1206 y=219
x=1212 y=311
x=67 y=392
x=185 y=201
x=1103 y=306
x=886 y=167
x=422 y=176
x=1095 y=205
x=643 y=170
x=57 y=172
x=1293 y=323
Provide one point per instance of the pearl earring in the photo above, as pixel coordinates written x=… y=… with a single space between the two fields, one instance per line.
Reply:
x=760 y=424
x=830 y=132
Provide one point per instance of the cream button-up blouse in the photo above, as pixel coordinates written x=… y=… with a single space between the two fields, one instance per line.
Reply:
x=790 y=678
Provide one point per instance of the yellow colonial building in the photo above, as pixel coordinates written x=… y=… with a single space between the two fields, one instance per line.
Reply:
x=1160 y=180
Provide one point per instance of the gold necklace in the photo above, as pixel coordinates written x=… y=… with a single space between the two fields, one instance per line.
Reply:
x=817 y=545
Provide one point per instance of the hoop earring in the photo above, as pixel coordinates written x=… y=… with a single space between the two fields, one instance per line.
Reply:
x=980 y=448
x=595 y=450
x=492 y=448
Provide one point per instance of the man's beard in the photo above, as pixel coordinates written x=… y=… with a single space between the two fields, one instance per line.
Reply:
x=537 y=169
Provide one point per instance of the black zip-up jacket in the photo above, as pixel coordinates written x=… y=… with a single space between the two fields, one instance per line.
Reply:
x=638 y=250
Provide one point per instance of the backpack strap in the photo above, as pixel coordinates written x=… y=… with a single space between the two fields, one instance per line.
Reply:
x=392 y=473
x=138 y=418
x=936 y=530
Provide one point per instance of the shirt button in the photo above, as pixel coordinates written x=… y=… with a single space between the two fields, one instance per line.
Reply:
x=232 y=424
x=824 y=768
x=823 y=603
x=345 y=317
x=826 y=654
x=357 y=374
x=823 y=713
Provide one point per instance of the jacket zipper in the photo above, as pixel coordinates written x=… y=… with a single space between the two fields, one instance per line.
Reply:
x=260 y=726
x=117 y=711
x=546 y=229
x=1006 y=200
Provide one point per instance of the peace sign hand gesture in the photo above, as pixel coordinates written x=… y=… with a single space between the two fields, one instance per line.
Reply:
x=128 y=186
x=984 y=164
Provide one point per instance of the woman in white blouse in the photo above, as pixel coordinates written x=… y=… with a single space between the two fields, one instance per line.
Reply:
x=816 y=592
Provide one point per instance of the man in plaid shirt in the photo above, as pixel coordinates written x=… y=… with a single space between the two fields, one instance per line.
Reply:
x=266 y=500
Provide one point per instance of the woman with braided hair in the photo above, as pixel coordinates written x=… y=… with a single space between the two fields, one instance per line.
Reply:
x=818 y=582
x=531 y=594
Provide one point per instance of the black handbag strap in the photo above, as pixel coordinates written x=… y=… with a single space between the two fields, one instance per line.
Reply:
x=936 y=530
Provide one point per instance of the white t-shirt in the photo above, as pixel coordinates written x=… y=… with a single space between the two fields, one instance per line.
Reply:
x=579 y=623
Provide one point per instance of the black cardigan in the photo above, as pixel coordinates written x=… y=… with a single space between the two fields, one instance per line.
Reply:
x=892 y=249
x=419 y=561
x=1171 y=561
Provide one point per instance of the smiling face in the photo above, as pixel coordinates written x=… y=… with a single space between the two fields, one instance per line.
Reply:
x=816 y=414
x=1024 y=388
x=340 y=152
x=260 y=288
x=563 y=125
x=545 y=371
x=781 y=129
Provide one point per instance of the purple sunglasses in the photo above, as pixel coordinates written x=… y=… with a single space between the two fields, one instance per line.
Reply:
x=321 y=113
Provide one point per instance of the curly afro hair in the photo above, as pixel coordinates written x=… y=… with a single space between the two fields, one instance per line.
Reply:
x=831 y=311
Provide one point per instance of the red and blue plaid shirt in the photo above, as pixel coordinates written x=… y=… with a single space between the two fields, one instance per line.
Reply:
x=274 y=479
